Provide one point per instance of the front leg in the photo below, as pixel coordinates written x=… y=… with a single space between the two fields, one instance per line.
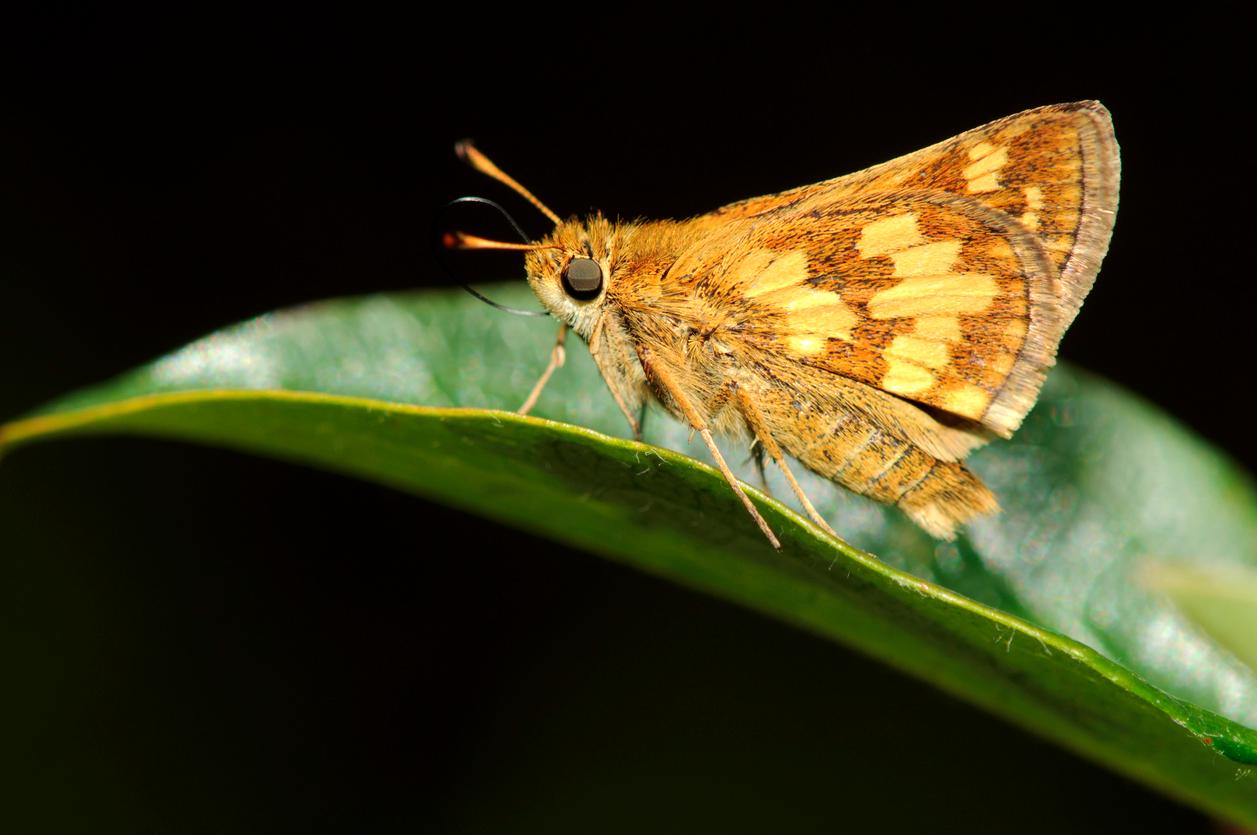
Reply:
x=557 y=358
x=616 y=367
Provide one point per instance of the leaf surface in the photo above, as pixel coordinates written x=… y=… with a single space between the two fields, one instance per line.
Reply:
x=1036 y=614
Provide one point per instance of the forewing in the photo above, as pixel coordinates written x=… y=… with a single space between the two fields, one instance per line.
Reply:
x=946 y=277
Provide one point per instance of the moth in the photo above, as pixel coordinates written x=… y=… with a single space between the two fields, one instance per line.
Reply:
x=877 y=327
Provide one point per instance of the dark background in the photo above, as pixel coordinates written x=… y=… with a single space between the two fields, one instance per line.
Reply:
x=196 y=640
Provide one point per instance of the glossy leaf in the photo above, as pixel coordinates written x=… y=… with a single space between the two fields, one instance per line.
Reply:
x=1035 y=614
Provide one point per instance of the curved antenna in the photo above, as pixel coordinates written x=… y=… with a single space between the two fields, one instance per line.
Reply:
x=470 y=154
x=455 y=240
x=516 y=310
x=484 y=201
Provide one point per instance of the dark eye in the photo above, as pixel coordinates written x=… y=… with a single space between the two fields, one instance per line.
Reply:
x=582 y=279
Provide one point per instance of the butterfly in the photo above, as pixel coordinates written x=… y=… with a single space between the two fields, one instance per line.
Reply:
x=877 y=327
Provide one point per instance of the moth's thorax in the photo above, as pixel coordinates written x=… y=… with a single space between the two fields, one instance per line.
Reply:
x=628 y=253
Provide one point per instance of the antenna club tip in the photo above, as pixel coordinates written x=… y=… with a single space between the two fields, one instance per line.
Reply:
x=452 y=240
x=463 y=149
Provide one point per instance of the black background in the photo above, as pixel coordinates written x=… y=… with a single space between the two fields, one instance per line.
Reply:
x=196 y=640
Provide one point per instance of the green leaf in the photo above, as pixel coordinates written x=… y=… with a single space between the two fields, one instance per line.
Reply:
x=1035 y=614
x=1222 y=600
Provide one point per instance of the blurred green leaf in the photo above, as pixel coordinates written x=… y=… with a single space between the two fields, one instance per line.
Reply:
x=1035 y=614
x=1222 y=600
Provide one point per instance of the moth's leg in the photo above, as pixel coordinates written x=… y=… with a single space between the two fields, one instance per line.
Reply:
x=557 y=358
x=665 y=380
x=609 y=376
x=634 y=424
x=755 y=420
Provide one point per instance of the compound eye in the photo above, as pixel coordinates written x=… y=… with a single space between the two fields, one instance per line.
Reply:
x=582 y=279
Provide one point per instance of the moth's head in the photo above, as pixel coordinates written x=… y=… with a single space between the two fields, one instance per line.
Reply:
x=569 y=269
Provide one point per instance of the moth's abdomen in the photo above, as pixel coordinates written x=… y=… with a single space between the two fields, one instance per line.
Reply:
x=949 y=495
x=874 y=461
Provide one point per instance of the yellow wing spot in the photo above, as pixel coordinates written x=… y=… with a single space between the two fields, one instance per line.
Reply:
x=991 y=159
x=906 y=378
x=1034 y=202
x=982 y=149
x=935 y=295
x=806 y=345
x=938 y=328
x=987 y=161
x=835 y=320
x=763 y=271
x=814 y=313
x=891 y=234
x=927 y=259
x=966 y=400
x=803 y=297
x=987 y=182
x=918 y=351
